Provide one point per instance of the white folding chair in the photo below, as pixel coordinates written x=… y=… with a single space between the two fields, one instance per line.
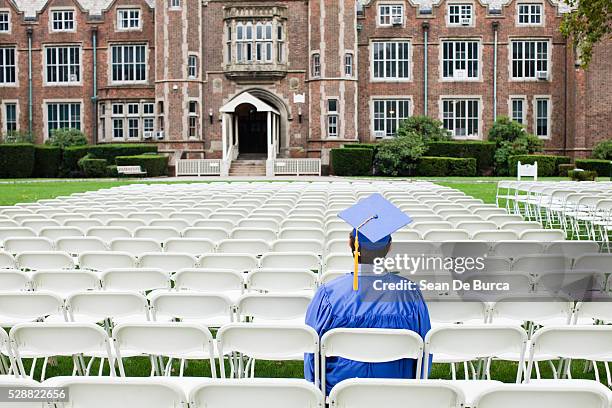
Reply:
x=135 y=246
x=209 y=309
x=514 y=249
x=134 y=279
x=192 y=246
x=14 y=232
x=38 y=225
x=109 y=307
x=167 y=262
x=107 y=234
x=501 y=219
x=75 y=246
x=160 y=234
x=212 y=234
x=19 y=245
x=175 y=223
x=105 y=260
x=237 y=262
x=520 y=226
x=423 y=227
x=178 y=340
x=292 y=260
x=14 y=280
x=41 y=260
x=446 y=235
x=383 y=345
x=55 y=233
x=572 y=249
x=129 y=224
x=20 y=307
x=268 y=308
x=145 y=217
x=216 y=281
x=296 y=245
x=495 y=235
x=545 y=235
x=338 y=262
x=244 y=246
x=65 y=282
x=474 y=226
x=302 y=233
x=284 y=280
x=530 y=310
x=454 y=311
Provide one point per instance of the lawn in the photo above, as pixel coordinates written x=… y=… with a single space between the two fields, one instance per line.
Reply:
x=27 y=191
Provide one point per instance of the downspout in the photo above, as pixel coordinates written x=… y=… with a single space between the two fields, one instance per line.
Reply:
x=565 y=100
x=94 y=98
x=30 y=95
x=495 y=25
x=425 y=26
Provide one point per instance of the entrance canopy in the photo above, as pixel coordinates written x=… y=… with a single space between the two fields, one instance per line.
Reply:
x=246 y=97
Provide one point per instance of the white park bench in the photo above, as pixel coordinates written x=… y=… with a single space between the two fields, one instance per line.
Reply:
x=131 y=170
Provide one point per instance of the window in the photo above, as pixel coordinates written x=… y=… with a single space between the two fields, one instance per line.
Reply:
x=529 y=14
x=63 y=116
x=517 y=110
x=175 y=3
x=133 y=128
x=460 y=59
x=388 y=114
x=390 y=14
x=10 y=110
x=118 y=128
x=193 y=119
x=244 y=46
x=280 y=43
x=5 y=22
x=316 y=65
x=263 y=42
x=63 y=65
x=460 y=14
x=192 y=66
x=460 y=117
x=542 y=117
x=128 y=19
x=132 y=119
x=348 y=65
x=529 y=58
x=391 y=60
x=255 y=42
x=128 y=63
x=62 y=20
x=7 y=65
x=332 y=118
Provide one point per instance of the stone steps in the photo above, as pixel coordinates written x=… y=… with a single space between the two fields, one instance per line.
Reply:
x=248 y=168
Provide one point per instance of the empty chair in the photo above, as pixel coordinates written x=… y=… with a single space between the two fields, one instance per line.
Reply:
x=545 y=235
x=55 y=233
x=474 y=226
x=495 y=235
x=572 y=249
x=84 y=224
x=37 y=260
x=451 y=311
x=298 y=245
x=261 y=222
x=514 y=249
x=517 y=309
x=134 y=279
x=38 y=225
x=191 y=217
x=14 y=232
x=406 y=235
x=338 y=234
x=182 y=341
x=423 y=227
x=216 y=281
x=281 y=280
x=207 y=308
x=456 y=219
x=294 y=260
x=18 y=307
x=245 y=246
x=216 y=223
x=236 y=262
x=75 y=246
x=520 y=226
x=302 y=233
x=65 y=282
x=105 y=216
x=338 y=246
x=261 y=308
x=384 y=345
x=267 y=235
x=486 y=212
x=594 y=262
x=175 y=223
x=160 y=234
x=107 y=234
x=167 y=262
x=105 y=260
x=7 y=223
x=98 y=306
x=135 y=246
x=192 y=246
x=501 y=219
x=145 y=217
x=588 y=312
x=22 y=244
x=212 y=234
x=338 y=262
x=129 y=224
x=301 y=223
x=539 y=264
x=14 y=280
x=446 y=235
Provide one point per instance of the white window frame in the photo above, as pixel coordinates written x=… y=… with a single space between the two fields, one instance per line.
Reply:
x=122 y=113
x=524 y=61
x=387 y=12
x=464 y=61
x=174 y=4
x=374 y=45
x=462 y=8
x=71 y=120
x=349 y=64
x=316 y=65
x=377 y=100
x=134 y=63
x=6 y=67
x=457 y=99
x=62 y=12
x=4 y=115
x=193 y=119
x=66 y=66
x=530 y=14
x=192 y=66
x=129 y=19
x=9 y=15
x=536 y=99
x=333 y=118
x=511 y=100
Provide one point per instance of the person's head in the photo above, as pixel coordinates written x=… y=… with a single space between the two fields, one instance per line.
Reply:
x=368 y=252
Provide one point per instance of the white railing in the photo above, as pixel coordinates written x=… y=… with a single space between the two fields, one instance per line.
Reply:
x=297 y=167
x=198 y=167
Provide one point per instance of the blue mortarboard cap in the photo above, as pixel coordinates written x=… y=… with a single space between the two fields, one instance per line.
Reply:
x=384 y=219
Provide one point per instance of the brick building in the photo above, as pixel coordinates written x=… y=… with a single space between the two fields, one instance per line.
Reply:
x=293 y=78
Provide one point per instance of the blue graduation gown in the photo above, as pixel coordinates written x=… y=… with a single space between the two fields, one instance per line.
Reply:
x=337 y=305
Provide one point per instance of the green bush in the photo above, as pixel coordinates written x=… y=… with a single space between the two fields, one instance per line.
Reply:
x=564 y=169
x=70 y=159
x=398 y=156
x=603 y=150
x=582 y=175
x=446 y=166
x=523 y=145
x=109 y=152
x=352 y=161
x=505 y=129
x=16 y=160
x=93 y=168
x=111 y=171
x=360 y=146
x=546 y=164
x=483 y=152
x=47 y=160
x=430 y=130
x=602 y=167
x=155 y=165
x=18 y=136
x=66 y=137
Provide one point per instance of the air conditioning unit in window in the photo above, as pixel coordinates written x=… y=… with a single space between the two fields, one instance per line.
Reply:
x=466 y=21
x=460 y=74
x=148 y=135
x=160 y=135
x=379 y=134
x=542 y=75
x=397 y=20
x=73 y=78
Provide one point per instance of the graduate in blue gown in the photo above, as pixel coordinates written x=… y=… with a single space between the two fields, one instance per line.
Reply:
x=346 y=302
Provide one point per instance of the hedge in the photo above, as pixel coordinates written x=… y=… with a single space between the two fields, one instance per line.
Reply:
x=446 y=166
x=16 y=160
x=361 y=146
x=483 y=152
x=109 y=152
x=352 y=161
x=94 y=168
x=155 y=165
x=602 y=167
x=546 y=163
x=70 y=159
x=47 y=160
x=582 y=175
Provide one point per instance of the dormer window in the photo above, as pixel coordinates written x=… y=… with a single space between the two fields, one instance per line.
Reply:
x=62 y=20
x=390 y=15
x=128 y=19
x=5 y=22
x=460 y=14
x=529 y=14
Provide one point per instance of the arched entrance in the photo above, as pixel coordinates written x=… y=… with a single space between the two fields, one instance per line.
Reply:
x=252 y=130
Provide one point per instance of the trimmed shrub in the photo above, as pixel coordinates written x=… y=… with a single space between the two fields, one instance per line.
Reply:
x=47 y=160
x=603 y=150
x=602 y=167
x=564 y=169
x=155 y=165
x=352 y=161
x=582 y=175
x=16 y=160
x=546 y=164
x=446 y=166
x=109 y=152
x=398 y=156
x=111 y=171
x=483 y=152
x=430 y=130
x=18 y=136
x=66 y=137
x=70 y=159
x=523 y=145
x=93 y=168
x=360 y=146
